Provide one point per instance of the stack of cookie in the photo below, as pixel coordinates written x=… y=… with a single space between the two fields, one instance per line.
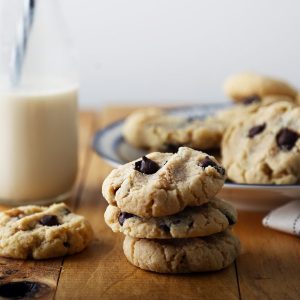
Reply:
x=165 y=205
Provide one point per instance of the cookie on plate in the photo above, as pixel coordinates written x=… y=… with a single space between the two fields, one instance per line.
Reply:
x=210 y=253
x=231 y=114
x=264 y=148
x=163 y=184
x=251 y=87
x=155 y=129
x=212 y=217
x=42 y=232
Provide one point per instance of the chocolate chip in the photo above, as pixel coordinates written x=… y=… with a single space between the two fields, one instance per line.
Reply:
x=22 y=289
x=230 y=221
x=124 y=216
x=177 y=221
x=165 y=228
x=251 y=99
x=286 y=138
x=146 y=166
x=67 y=244
x=49 y=220
x=66 y=211
x=194 y=118
x=172 y=148
x=208 y=162
x=191 y=224
x=256 y=130
x=10 y=272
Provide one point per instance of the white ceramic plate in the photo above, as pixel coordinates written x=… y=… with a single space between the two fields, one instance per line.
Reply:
x=111 y=146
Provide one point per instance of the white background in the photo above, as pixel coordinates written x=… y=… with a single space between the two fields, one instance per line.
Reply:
x=179 y=51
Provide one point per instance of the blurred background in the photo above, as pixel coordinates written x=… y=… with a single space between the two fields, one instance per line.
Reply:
x=178 y=51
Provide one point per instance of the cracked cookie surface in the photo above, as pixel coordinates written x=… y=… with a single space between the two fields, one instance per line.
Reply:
x=155 y=129
x=264 y=147
x=42 y=232
x=186 y=178
x=212 y=217
x=210 y=253
x=246 y=86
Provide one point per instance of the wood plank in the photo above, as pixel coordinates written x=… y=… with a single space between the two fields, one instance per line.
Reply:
x=47 y=272
x=102 y=271
x=269 y=267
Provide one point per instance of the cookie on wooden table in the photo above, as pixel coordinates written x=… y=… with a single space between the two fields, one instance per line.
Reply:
x=163 y=184
x=212 y=217
x=264 y=147
x=42 y=232
x=211 y=253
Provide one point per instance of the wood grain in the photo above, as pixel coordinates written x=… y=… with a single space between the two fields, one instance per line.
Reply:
x=269 y=266
x=104 y=272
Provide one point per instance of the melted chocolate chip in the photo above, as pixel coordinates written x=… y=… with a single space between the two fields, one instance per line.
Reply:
x=49 y=220
x=177 y=221
x=165 y=228
x=194 y=118
x=251 y=100
x=124 y=216
x=22 y=289
x=286 y=139
x=10 y=272
x=146 y=166
x=208 y=162
x=67 y=244
x=230 y=220
x=256 y=130
x=172 y=148
x=66 y=211
x=191 y=224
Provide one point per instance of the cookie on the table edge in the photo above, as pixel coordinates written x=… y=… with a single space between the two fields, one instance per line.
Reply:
x=264 y=148
x=251 y=87
x=163 y=184
x=157 y=130
x=42 y=232
x=211 y=253
x=212 y=217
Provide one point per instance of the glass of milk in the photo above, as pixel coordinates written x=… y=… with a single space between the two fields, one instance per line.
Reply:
x=38 y=114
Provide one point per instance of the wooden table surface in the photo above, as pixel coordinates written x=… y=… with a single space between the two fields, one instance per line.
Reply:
x=268 y=267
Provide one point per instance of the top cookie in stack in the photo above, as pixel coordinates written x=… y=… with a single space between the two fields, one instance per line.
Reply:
x=165 y=204
x=174 y=181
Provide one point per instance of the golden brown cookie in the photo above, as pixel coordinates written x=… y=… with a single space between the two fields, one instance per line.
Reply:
x=250 y=87
x=41 y=232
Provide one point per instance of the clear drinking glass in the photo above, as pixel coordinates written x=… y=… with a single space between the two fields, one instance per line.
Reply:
x=38 y=104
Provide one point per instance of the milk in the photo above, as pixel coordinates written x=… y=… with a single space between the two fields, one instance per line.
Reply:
x=38 y=145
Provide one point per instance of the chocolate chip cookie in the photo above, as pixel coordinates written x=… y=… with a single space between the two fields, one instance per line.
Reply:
x=42 y=232
x=264 y=148
x=251 y=87
x=163 y=184
x=231 y=114
x=210 y=253
x=155 y=129
x=212 y=217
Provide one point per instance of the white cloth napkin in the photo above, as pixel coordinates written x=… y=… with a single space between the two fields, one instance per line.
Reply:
x=285 y=218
